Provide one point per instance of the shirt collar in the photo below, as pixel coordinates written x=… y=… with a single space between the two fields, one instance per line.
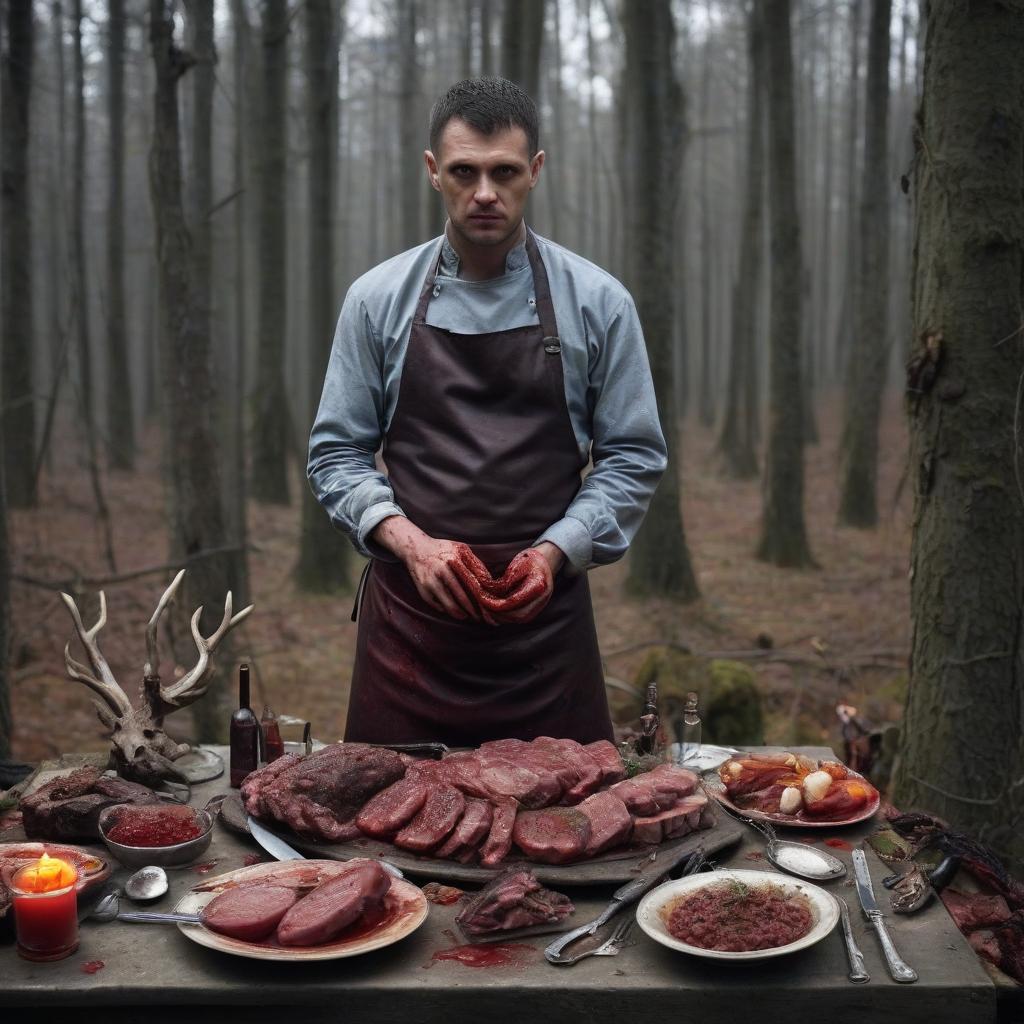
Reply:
x=515 y=259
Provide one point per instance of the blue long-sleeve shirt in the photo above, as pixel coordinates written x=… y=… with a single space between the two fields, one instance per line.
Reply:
x=608 y=389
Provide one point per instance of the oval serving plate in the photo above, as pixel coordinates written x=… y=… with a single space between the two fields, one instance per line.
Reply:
x=716 y=788
x=405 y=905
x=649 y=914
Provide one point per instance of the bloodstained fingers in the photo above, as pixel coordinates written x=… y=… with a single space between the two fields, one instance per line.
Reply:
x=476 y=568
x=527 y=612
x=458 y=592
x=512 y=577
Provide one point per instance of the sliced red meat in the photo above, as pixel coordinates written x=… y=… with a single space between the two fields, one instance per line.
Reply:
x=971 y=910
x=392 y=808
x=637 y=794
x=610 y=822
x=471 y=829
x=461 y=770
x=499 y=839
x=248 y=912
x=656 y=790
x=679 y=820
x=334 y=905
x=608 y=760
x=588 y=772
x=438 y=816
x=553 y=835
x=514 y=899
x=529 y=788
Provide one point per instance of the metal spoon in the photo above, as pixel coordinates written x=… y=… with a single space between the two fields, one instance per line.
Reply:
x=795 y=858
x=108 y=909
x=148 y=883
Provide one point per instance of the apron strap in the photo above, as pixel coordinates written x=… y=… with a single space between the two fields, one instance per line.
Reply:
x=542 y=293
x=428 y=287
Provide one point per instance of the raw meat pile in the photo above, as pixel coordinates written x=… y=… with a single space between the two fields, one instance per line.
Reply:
x=515 y=899
x=69 y=807
x=287 y=915
x=555 y=799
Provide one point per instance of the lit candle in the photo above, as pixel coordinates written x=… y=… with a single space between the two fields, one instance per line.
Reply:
x=46 y=909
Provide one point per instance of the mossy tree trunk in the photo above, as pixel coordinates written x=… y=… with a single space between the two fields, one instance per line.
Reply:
x=737 y=442
x=783 y=535
x=869 y=350
x=653 y=134
x=325 y=555
x=962 y=741
x=271 y=426
x=16 y=253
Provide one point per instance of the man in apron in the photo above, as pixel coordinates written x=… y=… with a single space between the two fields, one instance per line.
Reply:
x=489 y=367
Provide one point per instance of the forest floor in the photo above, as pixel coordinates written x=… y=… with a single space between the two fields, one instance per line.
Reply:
x=838 y=632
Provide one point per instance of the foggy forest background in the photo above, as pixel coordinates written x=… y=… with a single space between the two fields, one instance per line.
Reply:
x=180 y=225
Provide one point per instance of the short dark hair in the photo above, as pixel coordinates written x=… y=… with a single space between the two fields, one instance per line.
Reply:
x=486 y=104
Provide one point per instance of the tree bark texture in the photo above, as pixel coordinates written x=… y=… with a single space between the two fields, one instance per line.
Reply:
x=16 y=318
x=410 y=127
x=962 y=740
x=653 y=136
x=522 y=31
x=869 y=350
x=325 y=555
x=737 y=443
x=270 y=406
x=120 y=418
x=6 y=720
x=195 y=505
x=783 y=535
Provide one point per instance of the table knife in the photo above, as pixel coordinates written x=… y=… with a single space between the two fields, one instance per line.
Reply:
x=899 y=970
x=280 y=850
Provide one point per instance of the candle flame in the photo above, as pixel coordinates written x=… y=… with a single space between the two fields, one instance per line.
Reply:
x=46 y=875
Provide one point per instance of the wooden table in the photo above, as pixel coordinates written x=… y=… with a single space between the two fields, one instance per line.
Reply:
x=152 y=973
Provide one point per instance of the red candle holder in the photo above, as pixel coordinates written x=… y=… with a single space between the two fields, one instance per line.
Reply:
x=46 y=909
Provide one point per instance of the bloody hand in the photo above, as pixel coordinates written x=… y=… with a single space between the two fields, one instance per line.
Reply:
x=518 y=596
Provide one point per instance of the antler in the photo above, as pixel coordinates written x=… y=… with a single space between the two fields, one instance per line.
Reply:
x=115 y=702
x=153 y=663
x=187 y=689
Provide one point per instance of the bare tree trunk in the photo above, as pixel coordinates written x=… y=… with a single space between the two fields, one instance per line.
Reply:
x=410 y=128
x=6 y=719
x=195 y=503
x=271 y=429
x=962 y=738
x=120 y=418
x=783 y=536
x=82 y=294
x=522 y=32
x=325 y=555
x=737 y=441
x=869 y=353
x=16 y=317
x=653 y=134
x=705 y=396
x=486 y=43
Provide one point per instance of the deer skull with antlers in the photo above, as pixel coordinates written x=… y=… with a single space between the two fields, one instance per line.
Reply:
x=141 y=750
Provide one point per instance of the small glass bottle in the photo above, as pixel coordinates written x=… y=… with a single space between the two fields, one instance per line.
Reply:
x=690 y=748
x=245 y=733
x=273 y=745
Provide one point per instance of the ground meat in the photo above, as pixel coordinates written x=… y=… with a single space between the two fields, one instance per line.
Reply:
x=736 y=918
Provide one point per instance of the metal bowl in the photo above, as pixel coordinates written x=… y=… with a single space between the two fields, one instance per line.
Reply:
x=164 y=856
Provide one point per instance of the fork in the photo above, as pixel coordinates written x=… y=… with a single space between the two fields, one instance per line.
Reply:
x=611 y=945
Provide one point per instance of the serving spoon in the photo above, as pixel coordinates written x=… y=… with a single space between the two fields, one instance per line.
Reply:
x=109 y=909
x=148 y=883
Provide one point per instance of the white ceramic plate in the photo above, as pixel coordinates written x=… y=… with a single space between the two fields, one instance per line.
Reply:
x=650 y=917
x=405 y=910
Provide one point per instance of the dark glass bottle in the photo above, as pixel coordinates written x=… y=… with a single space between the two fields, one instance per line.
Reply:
x=273 y=745
x=245 y=733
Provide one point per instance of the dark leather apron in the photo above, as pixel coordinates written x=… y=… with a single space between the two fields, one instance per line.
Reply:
x=480 y=449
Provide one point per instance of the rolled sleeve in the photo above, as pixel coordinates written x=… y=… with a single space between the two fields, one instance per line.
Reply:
x=347 y=433
x=573 y=539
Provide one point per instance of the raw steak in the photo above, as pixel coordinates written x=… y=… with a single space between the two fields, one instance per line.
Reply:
x=553 y=835
x=248 y=912
x=529 y=787
x=441 y=810
x=334 y=905
x=319 y=795
x=587 y=770
x=392 y=808
x=610 y=822
x=514 y=899
x=470 y=831
x=499 y=839
x=461 y=770
x=680 y=820
x=656 y=790
x=69 y=806
x=608 y=760
x=528 y=755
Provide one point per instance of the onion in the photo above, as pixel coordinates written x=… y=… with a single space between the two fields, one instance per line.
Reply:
x=790 y=801
x=816 y=786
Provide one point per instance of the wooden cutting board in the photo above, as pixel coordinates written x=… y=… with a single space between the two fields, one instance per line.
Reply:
x=615 y=866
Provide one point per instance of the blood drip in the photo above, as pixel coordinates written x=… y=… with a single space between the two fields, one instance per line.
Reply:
x=838 y=844
x=92 y=966
x=492 y=954
x=205 y=868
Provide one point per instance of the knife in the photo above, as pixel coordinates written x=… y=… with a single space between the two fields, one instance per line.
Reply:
x=280 y=850
x=623 y=896
x=899 y=970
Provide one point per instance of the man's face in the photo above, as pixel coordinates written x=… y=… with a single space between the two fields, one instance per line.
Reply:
x=484 y=180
